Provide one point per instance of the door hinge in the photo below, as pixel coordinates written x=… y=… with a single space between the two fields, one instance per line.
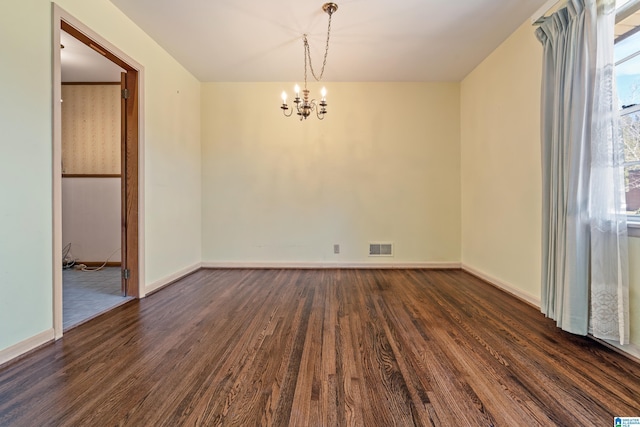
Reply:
x=125 y=93
x=126 y=273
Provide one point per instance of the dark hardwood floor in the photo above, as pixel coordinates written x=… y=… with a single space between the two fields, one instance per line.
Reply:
x=321 y=348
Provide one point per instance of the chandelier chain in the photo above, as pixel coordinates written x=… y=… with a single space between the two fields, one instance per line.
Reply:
x=306 y=48
x=307 y=53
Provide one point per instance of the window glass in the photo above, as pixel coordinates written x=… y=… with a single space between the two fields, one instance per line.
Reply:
x=627 y=58
x=630 y=132
x=626 y=46
x=628 y=81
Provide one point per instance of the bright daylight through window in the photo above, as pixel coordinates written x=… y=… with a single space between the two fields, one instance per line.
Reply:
x=627 y=59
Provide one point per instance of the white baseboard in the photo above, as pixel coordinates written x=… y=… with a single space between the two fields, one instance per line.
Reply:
x=327 y=265
x=158 y=284
x=631 y=350
x=25 y=346
x=525 y=296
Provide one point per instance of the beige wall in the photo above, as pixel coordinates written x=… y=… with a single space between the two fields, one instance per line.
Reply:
x=501 y=171
x=501 y=164
x=25 y=172
x=91 y=145
x=91 y=129
x=91 y=218
x=171 y=126
x=171 y=179
x=384 y=165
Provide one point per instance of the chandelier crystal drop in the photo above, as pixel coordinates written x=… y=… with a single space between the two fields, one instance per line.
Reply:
x=302 y=105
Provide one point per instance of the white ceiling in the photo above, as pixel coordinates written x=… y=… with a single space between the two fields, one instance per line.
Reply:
x=371 y=40
x=80 y=63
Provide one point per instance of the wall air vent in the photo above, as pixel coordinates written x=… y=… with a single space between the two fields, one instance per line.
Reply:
x=380 y=249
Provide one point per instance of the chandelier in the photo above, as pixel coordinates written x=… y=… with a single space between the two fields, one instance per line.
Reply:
x=303 y=106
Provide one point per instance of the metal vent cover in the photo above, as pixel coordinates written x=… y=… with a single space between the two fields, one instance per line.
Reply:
x=380 y=249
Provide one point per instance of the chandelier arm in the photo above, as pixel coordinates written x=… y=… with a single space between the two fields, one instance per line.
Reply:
x=284 y=110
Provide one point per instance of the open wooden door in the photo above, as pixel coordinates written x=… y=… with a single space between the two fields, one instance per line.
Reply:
x=129 y=180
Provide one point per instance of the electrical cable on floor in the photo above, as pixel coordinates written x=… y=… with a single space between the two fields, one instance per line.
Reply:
x=67 y=257
x=83 y=267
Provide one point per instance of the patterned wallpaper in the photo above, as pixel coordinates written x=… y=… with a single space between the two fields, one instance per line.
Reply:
x=91 y=129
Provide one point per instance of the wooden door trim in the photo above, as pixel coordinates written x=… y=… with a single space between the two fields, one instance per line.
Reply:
x=129 y=170
x=95 y=45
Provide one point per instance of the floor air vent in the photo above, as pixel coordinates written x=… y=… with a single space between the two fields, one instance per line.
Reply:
x=380 y=249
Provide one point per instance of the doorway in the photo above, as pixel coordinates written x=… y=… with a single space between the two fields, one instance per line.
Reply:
x=119 y=181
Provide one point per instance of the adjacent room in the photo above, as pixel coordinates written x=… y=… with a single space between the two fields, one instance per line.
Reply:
x=358 y=213
x=91 y=182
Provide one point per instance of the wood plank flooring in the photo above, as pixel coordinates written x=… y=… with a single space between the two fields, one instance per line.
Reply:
x=321 y=348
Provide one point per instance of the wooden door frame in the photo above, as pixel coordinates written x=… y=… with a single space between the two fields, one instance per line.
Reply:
x=132 y=156
x=129 y=180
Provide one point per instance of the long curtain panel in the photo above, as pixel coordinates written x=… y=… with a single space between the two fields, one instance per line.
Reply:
x=584 y=252
x=609 y=308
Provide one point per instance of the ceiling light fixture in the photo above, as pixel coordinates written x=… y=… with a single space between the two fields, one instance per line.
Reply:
x=303 y=106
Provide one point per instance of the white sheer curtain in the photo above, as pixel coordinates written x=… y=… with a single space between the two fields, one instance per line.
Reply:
x=584 y=262
x=609 y=317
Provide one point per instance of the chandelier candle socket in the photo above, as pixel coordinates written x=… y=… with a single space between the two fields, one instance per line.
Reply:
x=303 y=106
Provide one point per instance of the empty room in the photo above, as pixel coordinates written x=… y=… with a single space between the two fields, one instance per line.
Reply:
x=321 y=214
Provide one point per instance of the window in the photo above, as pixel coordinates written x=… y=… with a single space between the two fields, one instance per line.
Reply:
x=627 y=59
